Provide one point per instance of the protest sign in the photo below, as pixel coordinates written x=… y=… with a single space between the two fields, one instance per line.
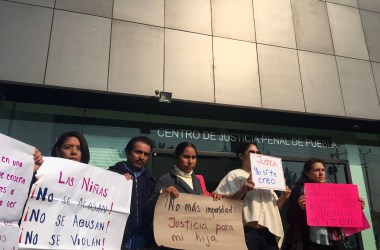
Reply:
x=75 y=206
x=333 y=205
x=198 y=222
x=16 y=171
x=267 y=172
x=353 y=230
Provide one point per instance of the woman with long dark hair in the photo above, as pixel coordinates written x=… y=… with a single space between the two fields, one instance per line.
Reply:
x=263 y=228
x=181 y=178
x=300 y=236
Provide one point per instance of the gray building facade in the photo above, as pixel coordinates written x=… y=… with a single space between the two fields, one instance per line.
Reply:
x=303 y=71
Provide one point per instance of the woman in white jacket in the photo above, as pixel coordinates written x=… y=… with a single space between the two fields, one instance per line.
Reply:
x=261 y=217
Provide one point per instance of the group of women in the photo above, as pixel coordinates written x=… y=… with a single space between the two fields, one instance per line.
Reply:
x=263 y=227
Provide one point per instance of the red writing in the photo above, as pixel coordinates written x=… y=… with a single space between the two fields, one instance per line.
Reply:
x=207 y=239
x=69 y=180
x=5 y=159
x=92 y=187
x=186 y=224
x=266 y=161
x=223 y=228
x=11 y=177
x=15 y=163
x=3 y=238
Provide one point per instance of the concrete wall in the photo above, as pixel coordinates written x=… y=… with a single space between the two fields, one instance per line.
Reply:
x=320 y=57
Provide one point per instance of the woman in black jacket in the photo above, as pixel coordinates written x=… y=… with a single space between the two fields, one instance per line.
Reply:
x=300 y=236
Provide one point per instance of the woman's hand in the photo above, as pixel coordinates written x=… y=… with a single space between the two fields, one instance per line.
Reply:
x=283 y=197
x=285 y=194
x=38 y=159
x=302 y=202
x=248 y=185
x=362 y=202
x=173 y=191
x=216 y=196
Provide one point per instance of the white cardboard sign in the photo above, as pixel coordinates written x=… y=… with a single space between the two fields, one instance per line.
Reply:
x=75 y=206
x=267 y=172
x=16 y=171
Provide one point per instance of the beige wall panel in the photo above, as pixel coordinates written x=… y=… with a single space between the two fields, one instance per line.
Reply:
x=79 y=51
x=372 y=5
x=376 y=73
x=233 y=19
x=45 y=3
x=371 y=25
x=92 y=7
x=24 y=41
x=320 y=83
x=347 y=31
x=279 y=30
x=358 y=88
x=352 y=3
x=140 y=11
x=236 y=73
x=188 y=66
x=280 y=78
x=194 y=15
x=312 y=26
x=137 y=58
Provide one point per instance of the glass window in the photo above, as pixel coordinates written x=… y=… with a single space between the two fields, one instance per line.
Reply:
x=370 y=161
x=107 y=144
x=5 y=116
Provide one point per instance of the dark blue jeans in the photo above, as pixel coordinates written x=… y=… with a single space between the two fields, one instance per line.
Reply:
x=260 y=239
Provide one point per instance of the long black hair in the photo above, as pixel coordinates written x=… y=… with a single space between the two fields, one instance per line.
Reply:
x=181 y=147
x=307 y=167
x=243 y=147
x=85 y=153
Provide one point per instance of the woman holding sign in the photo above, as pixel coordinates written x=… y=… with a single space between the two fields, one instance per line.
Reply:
x=261 y=217
x=181 y=178
x=300 y=236
x=70 y=145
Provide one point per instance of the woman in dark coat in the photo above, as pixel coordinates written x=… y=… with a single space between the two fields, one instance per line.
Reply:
x=300 y=236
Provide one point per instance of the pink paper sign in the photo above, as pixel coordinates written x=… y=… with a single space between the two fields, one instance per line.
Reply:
x=333 y=205
x=353 y=230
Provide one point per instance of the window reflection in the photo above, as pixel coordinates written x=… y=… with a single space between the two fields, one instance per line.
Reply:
x=370 y=160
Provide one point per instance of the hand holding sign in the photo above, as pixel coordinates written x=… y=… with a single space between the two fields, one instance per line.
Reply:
x=267 y=172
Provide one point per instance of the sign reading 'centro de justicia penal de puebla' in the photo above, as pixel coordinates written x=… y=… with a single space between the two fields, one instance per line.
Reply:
x=189 y=134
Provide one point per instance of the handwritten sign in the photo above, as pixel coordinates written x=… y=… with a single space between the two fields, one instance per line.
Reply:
x=74 y=206
x=333 y=205
x=198 y=222
x=353 y=230
x=267 y=172
x=16 y=171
